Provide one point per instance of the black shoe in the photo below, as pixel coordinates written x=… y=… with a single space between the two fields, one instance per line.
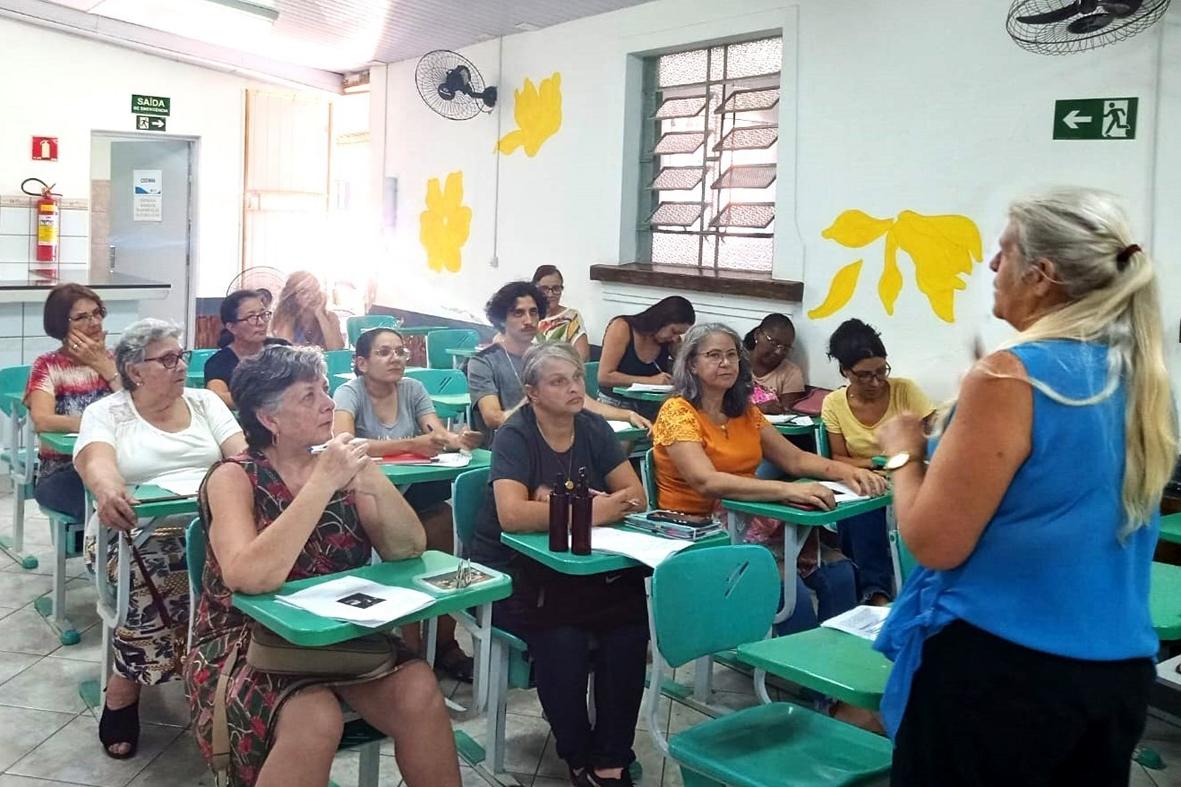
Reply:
x=119 y=726
x=453 y=662
x=594 y=780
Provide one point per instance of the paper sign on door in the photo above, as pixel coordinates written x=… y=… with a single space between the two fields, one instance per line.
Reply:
x=148 y=197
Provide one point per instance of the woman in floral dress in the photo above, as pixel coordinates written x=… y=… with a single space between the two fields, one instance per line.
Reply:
x=277 y=512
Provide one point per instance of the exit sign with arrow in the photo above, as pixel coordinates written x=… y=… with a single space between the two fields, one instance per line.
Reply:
x=145 y=123
x=1095 y=118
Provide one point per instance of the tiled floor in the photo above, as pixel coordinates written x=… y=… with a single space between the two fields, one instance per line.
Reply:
x=48 y=738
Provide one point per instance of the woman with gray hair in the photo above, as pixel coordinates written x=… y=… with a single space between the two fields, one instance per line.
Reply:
x=159 y=432
x=709 y=440
x=278 y=512
x=1030 y=605
x=559 y=615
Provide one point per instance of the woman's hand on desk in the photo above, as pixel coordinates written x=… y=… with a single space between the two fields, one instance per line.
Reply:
x=809 y=495
x=340 y=461
x=863 y=482
x=114 y=507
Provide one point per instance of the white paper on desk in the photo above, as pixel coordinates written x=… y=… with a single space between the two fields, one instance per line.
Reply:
x=788 y=418
x=452 y=460
x=649 y=388
x=842 y=493
x=620 y=426
x=863 y=621
x=649 y=550
x=359 y=601
x=181 y=482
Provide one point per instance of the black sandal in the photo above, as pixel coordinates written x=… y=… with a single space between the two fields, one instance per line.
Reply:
x=455 y=663
x=119 y=726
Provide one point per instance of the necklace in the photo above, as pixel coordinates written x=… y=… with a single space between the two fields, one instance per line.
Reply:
x=558 y=457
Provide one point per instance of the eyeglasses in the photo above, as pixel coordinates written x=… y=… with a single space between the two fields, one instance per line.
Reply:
x=401 y=353
x=91 y=316
x=717 y=356
x=779 y=347
x=557 y=289
x=258 y=318
x=170 y=360
x=868 y=377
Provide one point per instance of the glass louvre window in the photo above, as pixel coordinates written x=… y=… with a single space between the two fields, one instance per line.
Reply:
x=708 y=156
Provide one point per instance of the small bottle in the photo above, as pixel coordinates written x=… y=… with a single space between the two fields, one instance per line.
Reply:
x=580 y=516
x=559 y=516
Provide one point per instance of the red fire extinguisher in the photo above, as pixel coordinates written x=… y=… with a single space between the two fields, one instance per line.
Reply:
x=48 y=211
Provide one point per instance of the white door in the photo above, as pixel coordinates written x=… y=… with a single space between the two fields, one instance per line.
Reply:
x=151 y=192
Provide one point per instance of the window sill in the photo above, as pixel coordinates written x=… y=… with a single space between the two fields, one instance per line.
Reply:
x=726 y=282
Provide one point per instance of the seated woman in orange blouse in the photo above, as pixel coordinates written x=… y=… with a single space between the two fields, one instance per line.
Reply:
x=707 y=443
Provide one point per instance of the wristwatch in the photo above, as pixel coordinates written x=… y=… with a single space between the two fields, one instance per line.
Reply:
x=890 y=462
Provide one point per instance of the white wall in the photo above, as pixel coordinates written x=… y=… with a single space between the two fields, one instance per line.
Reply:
x=65 y=86
x=924 y=105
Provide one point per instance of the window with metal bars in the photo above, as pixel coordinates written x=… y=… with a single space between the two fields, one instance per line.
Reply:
x=708 y=156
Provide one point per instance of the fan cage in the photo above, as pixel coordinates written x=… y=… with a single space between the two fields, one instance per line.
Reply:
x=432 y=71
x=1055 y=39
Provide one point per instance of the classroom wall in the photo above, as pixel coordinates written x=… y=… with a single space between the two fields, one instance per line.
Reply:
x=67 y=86
x=925 y=106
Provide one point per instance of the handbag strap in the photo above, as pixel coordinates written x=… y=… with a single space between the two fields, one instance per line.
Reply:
x=220 y=755
x=157 y=599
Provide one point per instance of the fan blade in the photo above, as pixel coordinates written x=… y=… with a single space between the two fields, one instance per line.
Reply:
x=1090 y=24
x=1121 y=8
x=1050 y=17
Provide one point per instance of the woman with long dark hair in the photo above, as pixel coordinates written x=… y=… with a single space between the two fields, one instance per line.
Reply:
x=639 y=348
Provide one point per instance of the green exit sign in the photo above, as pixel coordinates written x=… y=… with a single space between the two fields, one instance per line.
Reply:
x=1095 y=118
x=151 y=105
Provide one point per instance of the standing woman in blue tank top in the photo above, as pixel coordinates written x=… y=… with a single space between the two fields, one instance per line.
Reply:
x=1023 y=644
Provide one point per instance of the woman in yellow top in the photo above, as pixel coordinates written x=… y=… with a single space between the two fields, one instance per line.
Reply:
x=851 y=415
x=707 y=443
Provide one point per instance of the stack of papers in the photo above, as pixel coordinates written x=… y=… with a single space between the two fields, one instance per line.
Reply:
x=649 y=550
x=442 y=460
x=359 y=601
x=788 y=418
x=181 y=482
x=862 y=621
x=842 y=493
x=649 y=388
x=620 y=426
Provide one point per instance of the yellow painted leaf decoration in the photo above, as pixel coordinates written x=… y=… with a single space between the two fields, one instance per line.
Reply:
x=855 y=229
x=445 y=224
x=943 y=248
x=840 y=290
x=538 y=113
x=891 y=282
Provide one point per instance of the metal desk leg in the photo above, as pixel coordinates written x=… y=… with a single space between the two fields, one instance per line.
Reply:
x=483 y=637
x=760 y=679
x=791 y=552
x=20 y=441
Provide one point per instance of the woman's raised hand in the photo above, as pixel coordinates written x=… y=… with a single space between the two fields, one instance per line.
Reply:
x=341 y=460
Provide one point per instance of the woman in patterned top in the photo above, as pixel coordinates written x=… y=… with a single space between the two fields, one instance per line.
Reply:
x=277 y=512
x=561 y=323
x=63 y=382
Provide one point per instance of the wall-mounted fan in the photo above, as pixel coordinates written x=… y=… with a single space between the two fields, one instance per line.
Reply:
x=451 y=85
x=1060 y=27
x=259 y=277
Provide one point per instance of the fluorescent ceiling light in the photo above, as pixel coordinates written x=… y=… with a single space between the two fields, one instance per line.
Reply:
x=223 y=22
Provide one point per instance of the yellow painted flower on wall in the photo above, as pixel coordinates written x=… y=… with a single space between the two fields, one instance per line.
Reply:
x=942 y=249
x=538 y=113
x=445 y=224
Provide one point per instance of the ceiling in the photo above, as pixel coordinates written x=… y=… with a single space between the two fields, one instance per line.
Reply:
x=344 y=35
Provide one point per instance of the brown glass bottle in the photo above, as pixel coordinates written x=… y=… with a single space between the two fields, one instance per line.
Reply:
x=559 y=515
x=580 y=516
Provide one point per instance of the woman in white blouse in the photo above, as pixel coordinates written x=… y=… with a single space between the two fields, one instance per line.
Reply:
x=153 y=431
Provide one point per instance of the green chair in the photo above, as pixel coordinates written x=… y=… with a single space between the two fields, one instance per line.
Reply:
x=440 y=381
x=358 y=734
x=198 y=359
x=439 y=342
x=904 y=560
x=709 y=600
x=648 y=478
x=66 y=535
x=358 y=325
x=592 y=379
x=19 y=457
x=337 y=362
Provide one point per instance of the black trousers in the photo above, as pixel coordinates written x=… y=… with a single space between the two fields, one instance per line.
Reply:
x=985 y=712
x=562 y=662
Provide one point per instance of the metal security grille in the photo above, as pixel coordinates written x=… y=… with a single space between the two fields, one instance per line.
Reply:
x=708 y=156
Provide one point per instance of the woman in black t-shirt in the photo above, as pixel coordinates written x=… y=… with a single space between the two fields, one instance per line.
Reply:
x=560 y=615
x=246 y=319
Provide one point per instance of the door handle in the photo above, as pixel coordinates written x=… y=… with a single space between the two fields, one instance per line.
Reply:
x=111 y=255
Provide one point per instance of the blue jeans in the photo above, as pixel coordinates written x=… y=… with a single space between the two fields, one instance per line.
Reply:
x=865 y=540
x=836 y=592
x=62 y=491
